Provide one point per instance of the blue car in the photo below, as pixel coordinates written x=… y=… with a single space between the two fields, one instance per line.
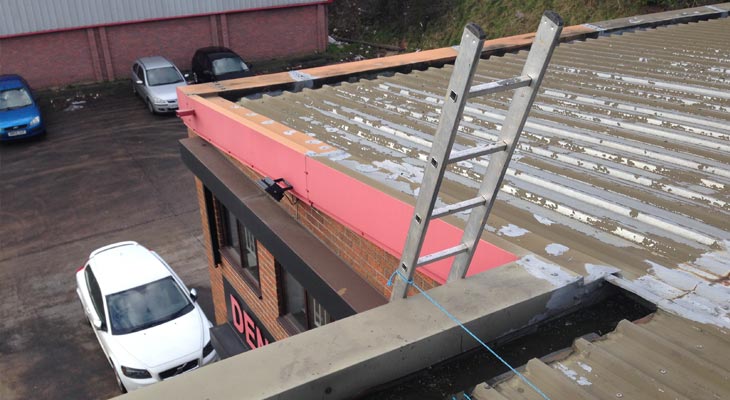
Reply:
x=20 y=116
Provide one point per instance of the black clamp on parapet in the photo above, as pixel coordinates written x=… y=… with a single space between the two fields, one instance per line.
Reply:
x=272 y=187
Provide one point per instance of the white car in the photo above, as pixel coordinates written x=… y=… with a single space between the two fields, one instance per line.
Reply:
x=147 y=322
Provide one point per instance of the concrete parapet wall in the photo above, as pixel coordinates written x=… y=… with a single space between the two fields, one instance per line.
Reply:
x=347 y=357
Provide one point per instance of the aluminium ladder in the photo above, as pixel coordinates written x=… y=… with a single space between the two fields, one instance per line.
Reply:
x=459 y=91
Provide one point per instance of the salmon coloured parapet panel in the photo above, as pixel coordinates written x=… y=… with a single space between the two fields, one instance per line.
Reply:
x=275 y=150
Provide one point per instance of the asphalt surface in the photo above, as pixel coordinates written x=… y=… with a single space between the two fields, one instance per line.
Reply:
x=107 y=171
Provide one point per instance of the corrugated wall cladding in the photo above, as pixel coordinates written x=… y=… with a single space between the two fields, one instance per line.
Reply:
x=624 y=163
x=26 y=16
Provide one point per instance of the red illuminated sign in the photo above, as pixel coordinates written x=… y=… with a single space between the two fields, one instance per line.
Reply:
x=244 y=322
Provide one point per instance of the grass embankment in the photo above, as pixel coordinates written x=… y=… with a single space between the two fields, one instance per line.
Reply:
x=424 y=24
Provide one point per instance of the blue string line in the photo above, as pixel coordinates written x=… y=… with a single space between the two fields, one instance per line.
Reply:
x=467 y=396
x=453 y=318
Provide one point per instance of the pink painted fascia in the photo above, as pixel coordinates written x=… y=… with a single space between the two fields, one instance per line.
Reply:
x=139 y=21
x=384 y=220
x=263 y=154
x=377 y=216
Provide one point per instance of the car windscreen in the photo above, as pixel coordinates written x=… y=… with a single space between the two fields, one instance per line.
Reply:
x=146 y=306
x=163 y=76
x=14 y=98
x=227 y=64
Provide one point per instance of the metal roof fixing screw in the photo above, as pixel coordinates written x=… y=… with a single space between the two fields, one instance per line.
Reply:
x=663 y=371
x=619 y=395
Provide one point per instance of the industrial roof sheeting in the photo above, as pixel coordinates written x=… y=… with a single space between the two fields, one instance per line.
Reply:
x=623 y=166
x=666 y=357
x=27 y=16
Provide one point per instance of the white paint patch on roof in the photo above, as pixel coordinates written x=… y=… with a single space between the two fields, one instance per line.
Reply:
x=401 y=170
x=585 y=366
x=677 y=278
x=543 y=220
x=583 y=381
x=550 y=272
x=556 y=249
x=301 y=76
x=512 y=230
x=596 y=272
x=573 y=375
x=716 y=262
x=567 y=371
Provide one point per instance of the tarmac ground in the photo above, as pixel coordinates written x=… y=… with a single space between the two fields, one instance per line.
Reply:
x=107 y=171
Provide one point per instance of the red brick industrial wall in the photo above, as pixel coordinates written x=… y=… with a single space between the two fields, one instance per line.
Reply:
x=282 y=35
x=106 y=53
x=50 y=59
x=265 y=307
x=176 y=39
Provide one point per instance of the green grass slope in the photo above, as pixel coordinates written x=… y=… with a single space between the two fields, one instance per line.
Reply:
x=424 y=24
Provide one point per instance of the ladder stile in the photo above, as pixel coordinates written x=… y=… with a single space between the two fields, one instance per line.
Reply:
x=459 y=91
x=472 y=41
x=547 y=37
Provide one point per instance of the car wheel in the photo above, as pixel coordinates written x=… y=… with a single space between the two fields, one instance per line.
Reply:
x=119 y=380
x=150 y=107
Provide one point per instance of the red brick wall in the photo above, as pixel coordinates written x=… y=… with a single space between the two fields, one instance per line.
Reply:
x=266 y=307
x=50 y=59
x=107 y=53
x=277 y=33
x=176 y=39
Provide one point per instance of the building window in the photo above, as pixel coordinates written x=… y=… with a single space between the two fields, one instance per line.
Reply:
x=239 y=247
x=299 y=310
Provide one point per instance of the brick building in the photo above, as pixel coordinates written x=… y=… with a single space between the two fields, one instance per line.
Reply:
x=92 y=41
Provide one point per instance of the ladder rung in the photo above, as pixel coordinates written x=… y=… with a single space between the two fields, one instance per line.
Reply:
x=499 y=86
x=460 y=206
x=477 y=151
x=440 y=255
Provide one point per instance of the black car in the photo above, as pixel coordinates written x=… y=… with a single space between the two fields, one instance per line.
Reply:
x=217 y=64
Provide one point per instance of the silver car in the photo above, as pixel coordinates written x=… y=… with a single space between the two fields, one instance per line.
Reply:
x=155 y=80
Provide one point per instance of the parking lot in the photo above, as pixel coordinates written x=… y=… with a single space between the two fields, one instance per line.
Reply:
x=107 y=171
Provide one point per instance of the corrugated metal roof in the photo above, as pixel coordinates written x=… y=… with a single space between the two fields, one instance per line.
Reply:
x=24 y=16
x=664 y=358
x=624 y=164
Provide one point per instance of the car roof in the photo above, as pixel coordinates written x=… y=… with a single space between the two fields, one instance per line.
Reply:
x=155 y=62
x=11 y=81
x=125 y=265
x=214 y=49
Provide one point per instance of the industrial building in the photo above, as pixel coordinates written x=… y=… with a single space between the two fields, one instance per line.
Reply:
x=306 y=183
x=93 y=41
